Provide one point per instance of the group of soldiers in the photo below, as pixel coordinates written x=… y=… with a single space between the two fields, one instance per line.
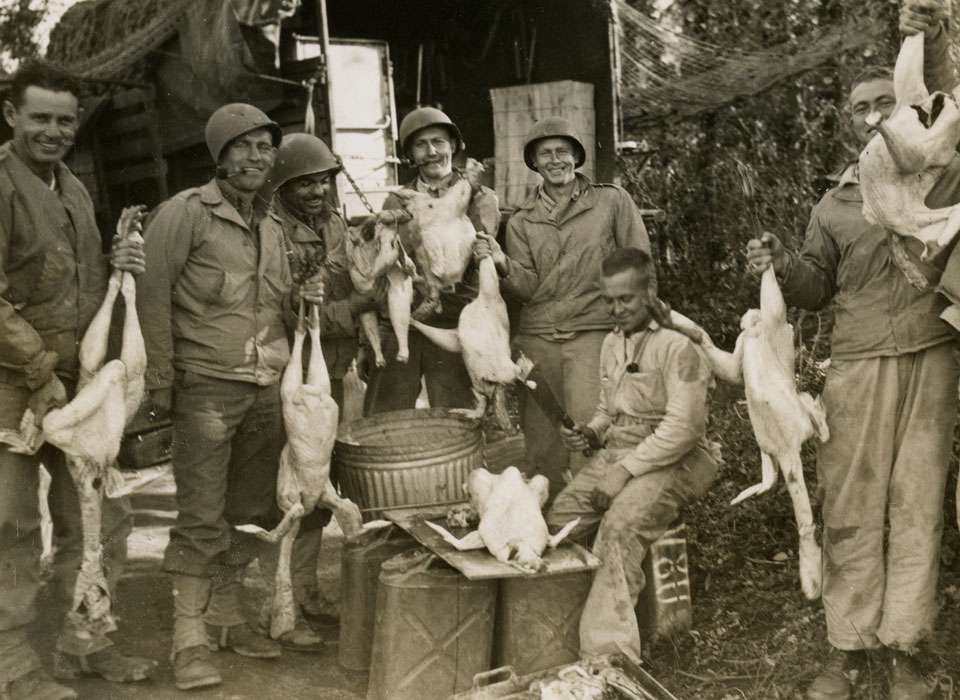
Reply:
x=225 y=265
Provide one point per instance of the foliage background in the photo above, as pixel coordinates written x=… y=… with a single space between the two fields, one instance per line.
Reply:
x=724 y=177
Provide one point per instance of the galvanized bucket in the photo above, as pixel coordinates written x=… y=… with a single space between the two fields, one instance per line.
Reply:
x=408 y=458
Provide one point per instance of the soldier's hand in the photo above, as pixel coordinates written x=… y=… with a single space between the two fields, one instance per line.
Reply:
x=127 y=255
x=764 y=251
x=313 y=289
x=49 y=396
x=573 y=439
x=922 y=16
x=609 y=487
x=487 y=246
x=364 y=361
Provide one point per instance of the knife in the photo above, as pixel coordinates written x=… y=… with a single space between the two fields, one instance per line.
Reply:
x=543 y=396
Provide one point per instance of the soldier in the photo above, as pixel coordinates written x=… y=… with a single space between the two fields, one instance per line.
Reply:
x=215 y=301
x=890 y=397
x=431 y=140
x=652 y=417
x=53 y=277
x=555 y=243
x=315 y=238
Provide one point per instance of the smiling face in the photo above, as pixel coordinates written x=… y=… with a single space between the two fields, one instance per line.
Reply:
x=307 y=194
x=246 y=161
x=627 y=296
x=870 y=103
x=432 y=152
x=44 y=126
x=555 y=159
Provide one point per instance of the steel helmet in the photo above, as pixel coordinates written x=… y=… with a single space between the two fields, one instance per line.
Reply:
x=299 y=155
x=233 y=120
x=421 y=118
x=553 y=127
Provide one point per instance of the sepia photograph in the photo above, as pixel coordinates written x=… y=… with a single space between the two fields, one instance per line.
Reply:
x=479 y=349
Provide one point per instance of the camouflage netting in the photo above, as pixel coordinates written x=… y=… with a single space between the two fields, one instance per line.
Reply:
x=106 y=39
x=667 y=73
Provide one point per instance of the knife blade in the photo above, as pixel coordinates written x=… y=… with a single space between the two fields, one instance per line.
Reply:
x=542 y=394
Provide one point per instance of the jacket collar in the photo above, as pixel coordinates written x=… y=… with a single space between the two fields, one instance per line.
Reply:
x=295 y=228
x=212 y=196
x=582 y=199
x=66 y=183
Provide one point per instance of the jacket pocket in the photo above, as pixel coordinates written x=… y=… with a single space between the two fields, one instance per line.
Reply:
x=200 y=286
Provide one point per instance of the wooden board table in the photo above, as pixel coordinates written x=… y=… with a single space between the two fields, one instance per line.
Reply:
x=479 y=563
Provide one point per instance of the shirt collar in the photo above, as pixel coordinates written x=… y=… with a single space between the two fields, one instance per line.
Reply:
x=550 y=203
x=651 y=326
x=436 y=190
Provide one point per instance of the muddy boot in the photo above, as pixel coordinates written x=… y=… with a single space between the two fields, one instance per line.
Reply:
x=192 y=667
x=906 y=681
x=838 y=676
x=108 y=664
x=35 y=685
x=302 y=638
x=242 y=639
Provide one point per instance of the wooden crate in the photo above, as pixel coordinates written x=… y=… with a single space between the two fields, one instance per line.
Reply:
x=516 y=109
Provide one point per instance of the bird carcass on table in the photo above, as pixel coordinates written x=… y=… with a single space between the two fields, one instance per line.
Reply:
x=88 y=430
x=310 y=417
x=906 y=157
x=782 y=418
x=441 y=236
x=483 y=336
x=511 y=526
x=376 y=259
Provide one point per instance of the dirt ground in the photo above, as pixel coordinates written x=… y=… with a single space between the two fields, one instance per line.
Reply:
x=144 y=612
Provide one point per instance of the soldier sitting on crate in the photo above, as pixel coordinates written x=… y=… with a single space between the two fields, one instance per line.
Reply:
x=652 y=418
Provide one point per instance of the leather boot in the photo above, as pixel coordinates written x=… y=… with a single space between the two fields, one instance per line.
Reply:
x=192 y=667
x=243 y=640
x=838 y=676
x=906 y=681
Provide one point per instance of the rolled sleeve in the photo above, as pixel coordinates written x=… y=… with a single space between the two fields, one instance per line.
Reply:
x=687 y=379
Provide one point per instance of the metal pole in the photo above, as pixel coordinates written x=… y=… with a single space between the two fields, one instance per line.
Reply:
x=419 y=71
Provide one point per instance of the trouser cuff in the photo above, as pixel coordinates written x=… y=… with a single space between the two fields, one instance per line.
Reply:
x=225 y=608
x=76 y=644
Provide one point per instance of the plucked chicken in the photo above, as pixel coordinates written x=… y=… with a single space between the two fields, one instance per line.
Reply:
x=88 y=430
x=782 y=418
x=511 y=527
x=907 y=155
x=483 y=336
x=310 y=417
x=442 y=236
x=376 y=260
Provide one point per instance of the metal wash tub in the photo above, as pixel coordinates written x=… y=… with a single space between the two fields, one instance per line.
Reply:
x=409 y=458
